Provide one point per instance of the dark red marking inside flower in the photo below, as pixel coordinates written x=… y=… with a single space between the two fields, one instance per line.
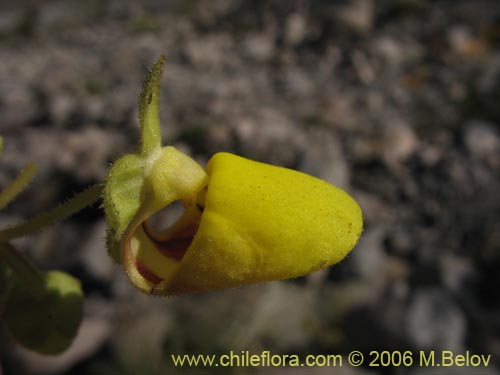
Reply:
x=147 y=273
x=176 y=247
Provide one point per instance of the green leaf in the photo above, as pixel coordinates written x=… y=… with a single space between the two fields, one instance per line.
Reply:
x=47 y=324
x=25 y=271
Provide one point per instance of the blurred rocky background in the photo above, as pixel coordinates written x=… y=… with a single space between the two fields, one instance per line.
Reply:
x=396 y=101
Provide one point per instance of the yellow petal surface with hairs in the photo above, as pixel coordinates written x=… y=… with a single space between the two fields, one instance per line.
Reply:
x=250 y=222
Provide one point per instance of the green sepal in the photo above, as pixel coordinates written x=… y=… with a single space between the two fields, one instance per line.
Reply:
x=125 y=184
x=149 y=109
x=47 y=324
x=122 y=198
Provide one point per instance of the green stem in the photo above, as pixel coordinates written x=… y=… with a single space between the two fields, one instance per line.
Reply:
x=29 y=275
x=18 y=185
x=75 y=204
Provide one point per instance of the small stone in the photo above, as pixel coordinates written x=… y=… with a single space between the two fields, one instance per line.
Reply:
x=464 y=43
x=434 y=321
x=392 y=52
x=454 y=271
x=357 y=15
x=61 y=108
x=295 y=29
x=326 y=159
x=368 y=259
x=210 y=52
x=260 y=47
x=399 y=142
x=482 y=141
x=299 y=84
x=430 y=155
x=270 y=135
x=364 y=68
x=375 y=209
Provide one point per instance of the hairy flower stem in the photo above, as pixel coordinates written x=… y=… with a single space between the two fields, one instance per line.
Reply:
x=75 y=204
x=18 y=185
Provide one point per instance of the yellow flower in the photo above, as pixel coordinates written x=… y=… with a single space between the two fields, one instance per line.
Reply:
x=244 y=221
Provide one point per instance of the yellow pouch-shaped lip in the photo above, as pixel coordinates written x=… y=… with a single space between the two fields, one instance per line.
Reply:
x=252 y=222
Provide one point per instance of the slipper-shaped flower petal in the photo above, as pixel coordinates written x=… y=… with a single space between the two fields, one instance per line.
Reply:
x=244 y=221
